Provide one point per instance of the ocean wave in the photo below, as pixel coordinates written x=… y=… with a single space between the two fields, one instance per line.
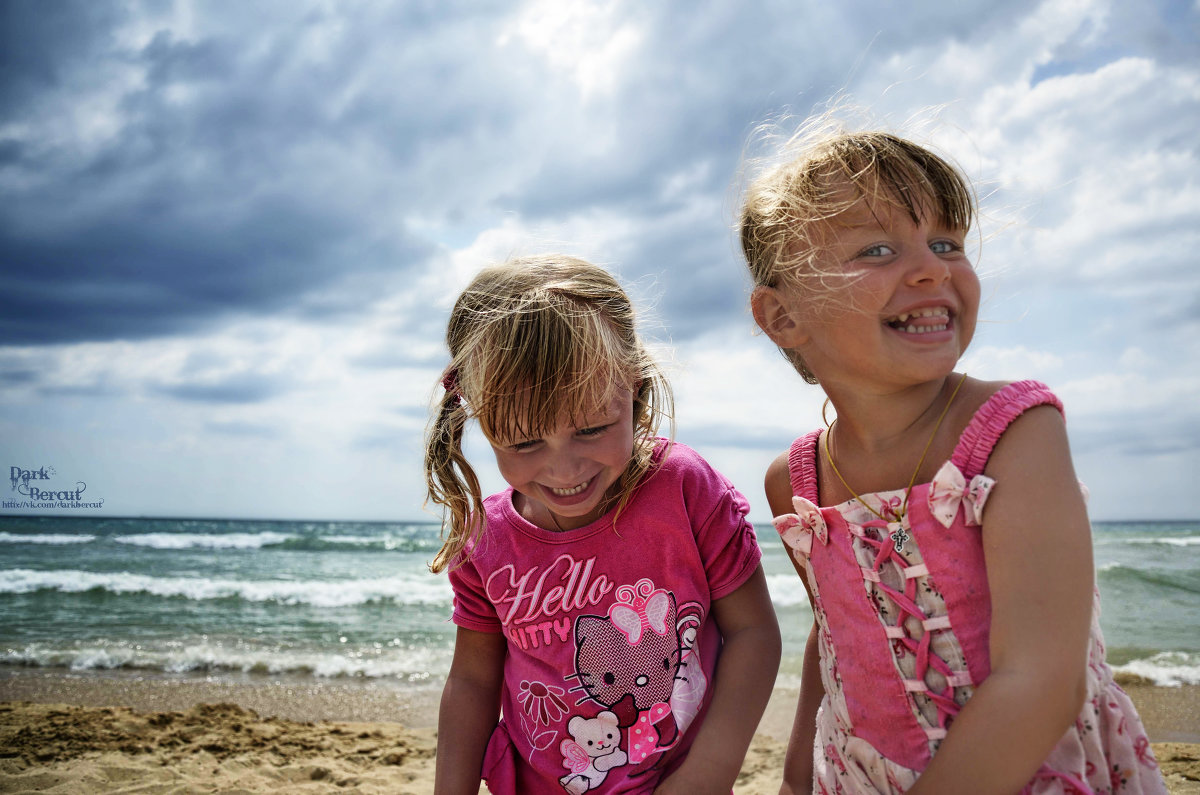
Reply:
x=1114 y=573
x=45 y=538
x=406 y=662
x=203 y=540
x=327 y=593
x=1168 y=668
x=1166 y=541
x=356 y=544
x=787 y=590
x=278 y=541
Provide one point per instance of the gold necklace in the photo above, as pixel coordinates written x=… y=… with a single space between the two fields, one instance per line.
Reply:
x=899 y=535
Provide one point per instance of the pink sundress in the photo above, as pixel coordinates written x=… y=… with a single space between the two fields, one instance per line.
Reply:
x=910 y=640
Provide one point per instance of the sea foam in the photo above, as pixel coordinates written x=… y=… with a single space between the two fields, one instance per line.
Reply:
x=203 y=540
x=1168 y=668
x=403 y=589
x=45 y=538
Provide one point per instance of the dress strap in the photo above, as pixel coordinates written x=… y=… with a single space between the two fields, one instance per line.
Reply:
x=802 y=466
x=992 y=420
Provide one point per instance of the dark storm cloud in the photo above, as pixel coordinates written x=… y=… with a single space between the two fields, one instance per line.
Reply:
x=230 y=174
x=237 y=389
x=272 y=161
x=17 y=376
x=126 y=275
x=42 y=44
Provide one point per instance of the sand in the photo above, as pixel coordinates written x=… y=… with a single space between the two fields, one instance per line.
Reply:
x=61 y=733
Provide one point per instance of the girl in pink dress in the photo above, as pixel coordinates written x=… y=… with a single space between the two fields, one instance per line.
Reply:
x=594 y=595
x=936 y=522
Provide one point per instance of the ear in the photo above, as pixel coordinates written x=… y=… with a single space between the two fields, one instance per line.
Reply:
x=774 y=314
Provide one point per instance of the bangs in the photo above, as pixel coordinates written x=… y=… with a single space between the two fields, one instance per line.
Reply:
x=559 y=360
x=887 y=169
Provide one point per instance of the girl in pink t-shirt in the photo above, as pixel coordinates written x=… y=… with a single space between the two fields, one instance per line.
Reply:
x=955 y=649
x=594 y=595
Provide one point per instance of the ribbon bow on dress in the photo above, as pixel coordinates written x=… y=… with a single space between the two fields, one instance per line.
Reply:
x=950 y=489
x=797 y=529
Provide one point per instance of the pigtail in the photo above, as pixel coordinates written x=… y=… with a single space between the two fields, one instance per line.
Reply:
x=449 y=479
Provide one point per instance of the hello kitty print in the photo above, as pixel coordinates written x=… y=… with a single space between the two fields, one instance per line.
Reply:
x=639 y=663
x=608 y=630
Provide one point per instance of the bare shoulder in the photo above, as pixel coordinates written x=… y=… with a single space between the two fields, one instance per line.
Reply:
x=1034 y=441
x=779 y=485
x=974 y=394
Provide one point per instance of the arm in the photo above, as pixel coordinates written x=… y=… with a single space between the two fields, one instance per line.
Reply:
x=469 y=710
x=746 y=673
x=798 y=764
x=1037 y=548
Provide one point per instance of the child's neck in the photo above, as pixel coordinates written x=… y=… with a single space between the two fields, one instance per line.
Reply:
x=883 y=441
x=883 y=422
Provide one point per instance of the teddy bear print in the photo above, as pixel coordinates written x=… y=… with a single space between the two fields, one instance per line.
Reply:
x=630 y=662
x=592 y=751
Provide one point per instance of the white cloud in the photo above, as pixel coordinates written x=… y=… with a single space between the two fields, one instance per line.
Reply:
x=590 y=41
x=411 y=149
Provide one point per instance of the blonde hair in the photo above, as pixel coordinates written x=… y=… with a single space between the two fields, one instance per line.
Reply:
x=531 y=339
x=827 y=171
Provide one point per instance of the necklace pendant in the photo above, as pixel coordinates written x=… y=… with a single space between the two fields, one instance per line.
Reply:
x=899 y=536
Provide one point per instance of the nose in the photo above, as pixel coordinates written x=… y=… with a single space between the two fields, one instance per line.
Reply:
x=564 y=464
x=928 y=268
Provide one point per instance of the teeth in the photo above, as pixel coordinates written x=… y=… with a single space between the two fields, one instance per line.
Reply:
x=571 y=491
x=926 y=329
x=931 y=312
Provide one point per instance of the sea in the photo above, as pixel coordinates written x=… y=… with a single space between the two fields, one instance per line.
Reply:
x=355 y=602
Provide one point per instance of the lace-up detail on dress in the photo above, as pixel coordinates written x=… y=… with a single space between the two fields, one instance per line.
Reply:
x=903 y=614
x=926 y=653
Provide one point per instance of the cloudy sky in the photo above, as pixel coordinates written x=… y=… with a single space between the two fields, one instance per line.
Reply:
x=230 y=235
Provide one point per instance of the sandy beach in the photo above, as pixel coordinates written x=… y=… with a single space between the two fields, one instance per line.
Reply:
x=63 y=733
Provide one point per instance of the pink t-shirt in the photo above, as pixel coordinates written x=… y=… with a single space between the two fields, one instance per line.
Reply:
x=611 y=644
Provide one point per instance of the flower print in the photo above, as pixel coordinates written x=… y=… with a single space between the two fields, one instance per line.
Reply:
x=542 y=702
x=832 y=756
x=1116 y=778
x=1141 y=747
x=1114 y=707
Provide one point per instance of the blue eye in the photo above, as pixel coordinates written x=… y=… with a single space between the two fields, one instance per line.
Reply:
x=944 y=247
x=880 y=250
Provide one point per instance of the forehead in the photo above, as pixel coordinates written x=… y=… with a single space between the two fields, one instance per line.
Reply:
x=872 y=204
x=533 y=412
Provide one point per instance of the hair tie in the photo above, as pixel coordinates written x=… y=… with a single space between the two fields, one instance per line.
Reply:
x=450 y=383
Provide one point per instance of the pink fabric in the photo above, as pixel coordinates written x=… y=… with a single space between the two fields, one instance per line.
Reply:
x=903 y=612
x=992 y=420
x=633 y=601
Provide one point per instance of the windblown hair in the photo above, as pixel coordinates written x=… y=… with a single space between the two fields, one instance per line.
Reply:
x=533 y=340
x=787 y=209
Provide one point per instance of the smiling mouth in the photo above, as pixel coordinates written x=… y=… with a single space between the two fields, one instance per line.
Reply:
x=571 y=492
x=923 y=321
